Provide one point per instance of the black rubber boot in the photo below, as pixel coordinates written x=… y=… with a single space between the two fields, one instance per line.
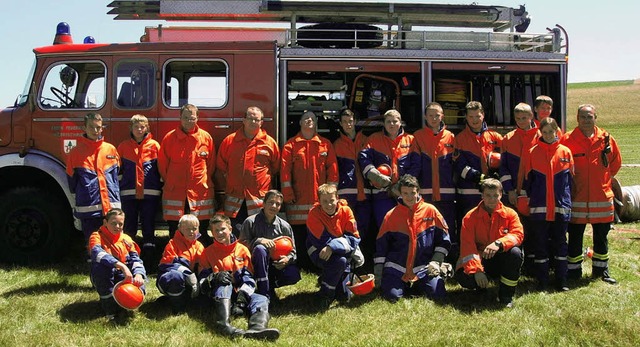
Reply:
x=222 y=310
x=110 y=307
x=258 y=327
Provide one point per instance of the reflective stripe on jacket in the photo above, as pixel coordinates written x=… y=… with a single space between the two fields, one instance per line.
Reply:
x=180 y=254
x=139 y=177
x=470 y=158
x=409 y=238
x=432 y=163
x=479 y=229
x=186 y=163
x=92 y=169
x=515 y=149
x=592 y=198
x=350 y=181
x=248 y=167
x=381 y=149
x=306 y=165
x=549 y=172
x=338 y=231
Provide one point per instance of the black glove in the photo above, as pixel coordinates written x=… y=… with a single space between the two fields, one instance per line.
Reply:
x=222 y=278
x=242 y=301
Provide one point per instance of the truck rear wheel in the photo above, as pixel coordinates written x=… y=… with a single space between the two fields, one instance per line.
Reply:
x=34 y=226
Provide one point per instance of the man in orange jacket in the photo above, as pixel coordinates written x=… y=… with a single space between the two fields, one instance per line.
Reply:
x=597 y=159
x=308 y=161
x=247 y=161
x=186 y=162
x=489 y=244
x=92 y=169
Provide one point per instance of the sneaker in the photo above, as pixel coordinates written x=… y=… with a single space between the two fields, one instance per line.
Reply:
x=562 y=286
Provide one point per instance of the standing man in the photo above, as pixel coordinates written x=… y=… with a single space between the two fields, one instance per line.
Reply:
x=473 y=146
x=140 y=185
x=186 y=162
x=308 y=161
x=247 y=161
x=515 y=151
x=597 y=159
x=92 y=169
x=387 y=147
x=489 y=244
x=258 y=232
x=432 y=163
x=351 y=185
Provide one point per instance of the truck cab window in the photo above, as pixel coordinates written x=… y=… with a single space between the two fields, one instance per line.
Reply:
x=201 y=83
x=135 y=84
x=74 y=85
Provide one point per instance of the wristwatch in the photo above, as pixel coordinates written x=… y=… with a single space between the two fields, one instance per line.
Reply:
x=499 y=244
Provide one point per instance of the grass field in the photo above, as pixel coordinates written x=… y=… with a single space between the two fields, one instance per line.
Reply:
x=56 y=306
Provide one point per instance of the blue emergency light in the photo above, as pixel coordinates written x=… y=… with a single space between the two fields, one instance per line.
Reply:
x=89 y=39
x=63 y=34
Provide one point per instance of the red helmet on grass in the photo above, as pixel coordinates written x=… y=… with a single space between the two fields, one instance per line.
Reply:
x=362 y=285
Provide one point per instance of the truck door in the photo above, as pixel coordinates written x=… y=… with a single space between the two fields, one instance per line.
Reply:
x=66 y=90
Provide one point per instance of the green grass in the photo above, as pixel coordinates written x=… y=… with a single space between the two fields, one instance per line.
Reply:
x=56 y=306
x=586 y=85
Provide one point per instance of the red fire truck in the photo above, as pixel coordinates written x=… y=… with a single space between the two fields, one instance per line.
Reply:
x=368 y=56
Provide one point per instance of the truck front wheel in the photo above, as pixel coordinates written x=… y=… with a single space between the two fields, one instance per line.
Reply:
x=34 y=226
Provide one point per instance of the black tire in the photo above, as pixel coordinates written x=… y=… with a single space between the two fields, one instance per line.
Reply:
x=324 y=35
x=34 y=226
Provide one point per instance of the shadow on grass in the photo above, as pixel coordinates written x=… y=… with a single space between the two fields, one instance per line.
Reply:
x=79 y=312
x=47 y=288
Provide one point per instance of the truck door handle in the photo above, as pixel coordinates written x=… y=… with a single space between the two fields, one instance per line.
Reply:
x=222 y=126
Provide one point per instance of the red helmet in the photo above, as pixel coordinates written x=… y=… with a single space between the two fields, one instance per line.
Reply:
x=128 y=295
x=362 y=285
x=283 y=247
x=493 y=160
x=384 y=169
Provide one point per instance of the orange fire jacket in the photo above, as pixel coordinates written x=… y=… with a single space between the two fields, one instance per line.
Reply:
x=186 y=163
x=247 y=167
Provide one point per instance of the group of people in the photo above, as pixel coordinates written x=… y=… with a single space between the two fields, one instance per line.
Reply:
x=417 y=208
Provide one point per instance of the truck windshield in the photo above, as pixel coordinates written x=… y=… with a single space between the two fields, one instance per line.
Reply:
x=22 y=98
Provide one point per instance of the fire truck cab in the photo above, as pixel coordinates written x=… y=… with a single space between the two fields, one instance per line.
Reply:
x=361 y=55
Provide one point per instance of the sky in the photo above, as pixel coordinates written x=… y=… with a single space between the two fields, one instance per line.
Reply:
x=603 y=45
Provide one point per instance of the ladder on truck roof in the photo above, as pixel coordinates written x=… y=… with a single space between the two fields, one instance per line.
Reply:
x=404 y=14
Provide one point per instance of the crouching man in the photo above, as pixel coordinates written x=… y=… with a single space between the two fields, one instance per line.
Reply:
x=411 y=247
x=258 y=233
x=226 y=275
x=489 y=244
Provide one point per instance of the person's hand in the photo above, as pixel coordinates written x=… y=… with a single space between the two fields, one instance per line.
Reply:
x=325 y=253
x=377 y=272
x=268 y=243
x=481 y=279
x=377 y=179
x=138 y=280
x=281 y=263
x=128 y=277
x=513 y=197
x=192 y=282
x=433 y=269
x=490 y=251
x=446 y=270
